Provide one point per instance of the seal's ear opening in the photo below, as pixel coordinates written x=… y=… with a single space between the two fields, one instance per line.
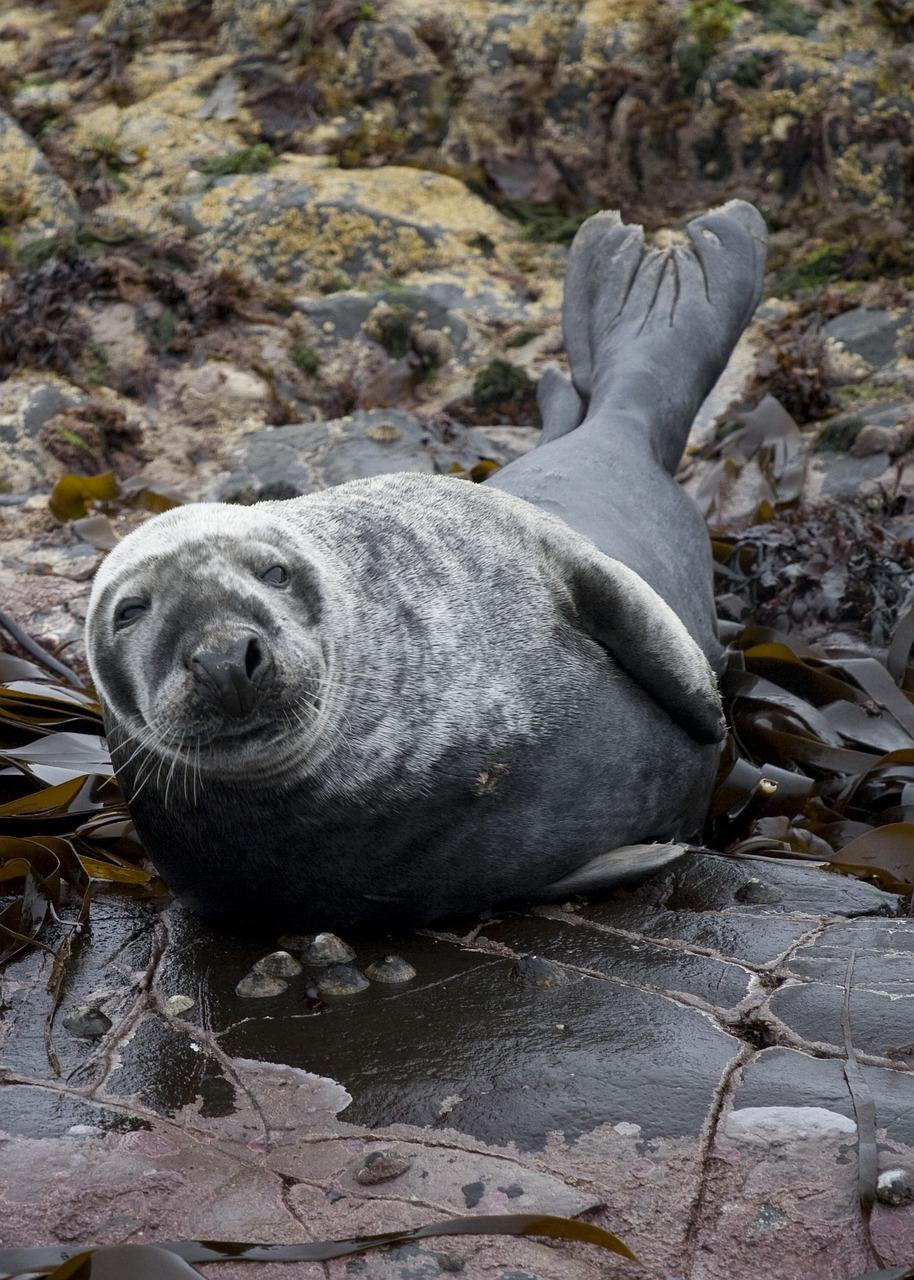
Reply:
x=621 y=612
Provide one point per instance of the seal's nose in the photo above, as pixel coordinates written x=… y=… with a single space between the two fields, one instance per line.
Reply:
x=231 y=677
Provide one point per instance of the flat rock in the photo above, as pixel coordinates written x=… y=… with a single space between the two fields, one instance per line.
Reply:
x=27 y=402
x=869 y=332
x=636 y=1081
x=283 y=462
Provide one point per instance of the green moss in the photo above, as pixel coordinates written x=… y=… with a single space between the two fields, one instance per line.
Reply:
x=839 y=435
x=70 y=246
x=75 y=439
x=166 y=327
x=522 y=337
x=543 y=223
x=427 y=372
x=305 y=359
x=499 y=384
x=368 y=13
x=748 y=71
x=869 y=393
x=393 y=330
x=96 y=363
x=256 y=159
x=786 y=16
x=817 y=268
x=104 y=146
x=709 y=24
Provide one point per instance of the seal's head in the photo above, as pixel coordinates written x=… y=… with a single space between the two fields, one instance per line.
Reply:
x=203 y=630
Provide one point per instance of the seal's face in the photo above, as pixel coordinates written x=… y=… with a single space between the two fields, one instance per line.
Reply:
x=205 y=645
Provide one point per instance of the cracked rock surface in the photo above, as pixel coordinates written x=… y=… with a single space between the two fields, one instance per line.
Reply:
x=682 y=1085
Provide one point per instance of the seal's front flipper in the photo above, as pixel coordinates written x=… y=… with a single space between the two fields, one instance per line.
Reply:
x=618 y=609
x=560 y=406
x=648 y=330
x=609 y=870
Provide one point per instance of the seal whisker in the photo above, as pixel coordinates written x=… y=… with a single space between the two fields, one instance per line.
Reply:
x=186 y=766
x=147 y=764
x=125 y=740
x=156 y=740
x=144 y=739
x=174 y=761
x=321 y=722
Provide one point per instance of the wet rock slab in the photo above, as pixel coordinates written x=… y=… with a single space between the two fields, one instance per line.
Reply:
x=681 y=1066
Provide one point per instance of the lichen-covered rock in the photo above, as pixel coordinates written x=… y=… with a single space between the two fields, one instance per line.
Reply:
x=34 y=202
x=316 y=228
x=283 y=462
x=253 y=26
x=138 y=18
x=803 y=119
x=24 y=30
x=559 y=103
x=343 y=316
x=158 y=147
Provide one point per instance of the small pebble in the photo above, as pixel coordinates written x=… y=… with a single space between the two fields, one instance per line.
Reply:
x=449 y=1263
x=278 y=964
x=327 y=948
x=534 y=971
x=256 y=986
x=757 y=892
x=87 y=1022
x=174 y=1006
x=382 y=1166
x=895 y=1187
x=391 y=969
x=341 y=980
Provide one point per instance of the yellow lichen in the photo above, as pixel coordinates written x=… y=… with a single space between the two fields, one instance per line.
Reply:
x=26 y=28
x=855 y=178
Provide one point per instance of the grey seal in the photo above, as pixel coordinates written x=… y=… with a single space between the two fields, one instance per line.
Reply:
x=410 y=696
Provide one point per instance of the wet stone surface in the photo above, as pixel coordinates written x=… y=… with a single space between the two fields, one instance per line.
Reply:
x=673 y=1051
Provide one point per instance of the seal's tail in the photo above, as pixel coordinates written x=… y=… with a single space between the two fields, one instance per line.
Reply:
x=648 y=331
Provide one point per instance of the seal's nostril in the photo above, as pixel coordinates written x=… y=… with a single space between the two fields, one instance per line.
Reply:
x=253 y=658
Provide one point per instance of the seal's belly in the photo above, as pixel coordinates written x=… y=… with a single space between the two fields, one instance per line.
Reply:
x=492 y=822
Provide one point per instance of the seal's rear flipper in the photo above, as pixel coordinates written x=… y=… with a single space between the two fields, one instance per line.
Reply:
x=560 y=406
x=620 y=866
x=649 y=331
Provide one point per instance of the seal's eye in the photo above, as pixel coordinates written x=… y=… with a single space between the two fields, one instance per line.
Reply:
x=128 y=611
x=275 y=576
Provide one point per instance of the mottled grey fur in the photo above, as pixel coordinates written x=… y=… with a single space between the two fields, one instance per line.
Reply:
x=475 y=689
